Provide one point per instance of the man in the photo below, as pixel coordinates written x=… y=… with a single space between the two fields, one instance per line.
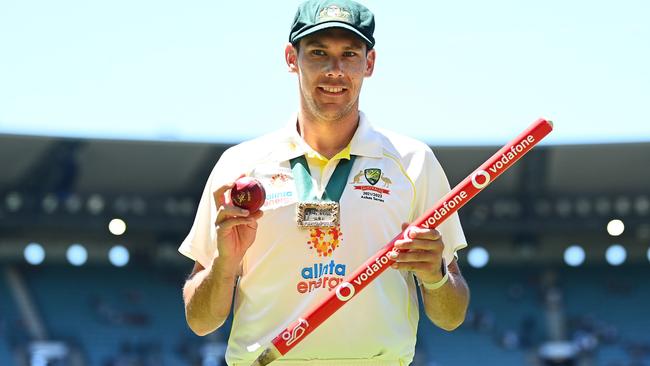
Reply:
x=330 y=160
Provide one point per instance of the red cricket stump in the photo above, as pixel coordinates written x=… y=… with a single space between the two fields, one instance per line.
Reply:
x=445 y=207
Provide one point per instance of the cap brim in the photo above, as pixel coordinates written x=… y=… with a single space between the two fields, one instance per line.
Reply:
x=327 y=25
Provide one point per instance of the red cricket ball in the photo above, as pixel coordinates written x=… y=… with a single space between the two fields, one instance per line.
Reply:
x=248 y=193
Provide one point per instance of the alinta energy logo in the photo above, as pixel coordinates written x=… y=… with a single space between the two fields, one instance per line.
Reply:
x=279 y=178
x=279 y=191
x=322 y=275
x=324 y=240
x=317 y=276
x=372 y=191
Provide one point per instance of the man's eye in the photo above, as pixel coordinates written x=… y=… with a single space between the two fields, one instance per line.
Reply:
x=349 y=54
x=318 y=53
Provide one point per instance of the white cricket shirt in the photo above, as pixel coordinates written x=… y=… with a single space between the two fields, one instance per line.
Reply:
x=287 y=270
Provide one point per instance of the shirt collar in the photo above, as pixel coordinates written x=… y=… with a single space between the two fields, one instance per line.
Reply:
x=365 y=142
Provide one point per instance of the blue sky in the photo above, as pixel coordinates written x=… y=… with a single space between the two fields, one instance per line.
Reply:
x=461 y=72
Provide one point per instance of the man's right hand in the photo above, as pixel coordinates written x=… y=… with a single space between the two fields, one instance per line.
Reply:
x=236 y=230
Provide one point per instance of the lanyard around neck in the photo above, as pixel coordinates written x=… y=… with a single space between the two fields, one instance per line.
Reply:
x=335 y=186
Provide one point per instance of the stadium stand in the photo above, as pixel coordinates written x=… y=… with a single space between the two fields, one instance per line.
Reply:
x=138 y=315
x=462 y=347
x=611 y=305
x=135 y=315
x=503 y=323
x=9 y=318
x=605 y=309
x=612 y=296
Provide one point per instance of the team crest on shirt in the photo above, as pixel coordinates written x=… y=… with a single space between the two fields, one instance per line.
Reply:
x=375 y=186
x=372 y=175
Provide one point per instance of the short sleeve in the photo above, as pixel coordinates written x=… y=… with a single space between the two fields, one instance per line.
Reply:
x=200 y=244
x=431 y=186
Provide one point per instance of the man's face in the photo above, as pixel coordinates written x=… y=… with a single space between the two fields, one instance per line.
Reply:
x=331 y=65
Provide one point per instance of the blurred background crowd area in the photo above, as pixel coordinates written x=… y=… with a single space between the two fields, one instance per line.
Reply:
x=557 y=265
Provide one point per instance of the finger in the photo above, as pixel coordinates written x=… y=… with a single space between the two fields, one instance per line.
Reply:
x=419 y=244
x=407 y=230
x=402 y=243
x=426 y=267
x=257 y=215
x=227 y=198
x=220 y=194
x=236 y=221
x=226 y=212
x=422 y=233
x=417 y=256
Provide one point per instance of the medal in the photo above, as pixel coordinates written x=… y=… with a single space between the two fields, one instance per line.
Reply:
x=317 y=214
x=323 y=211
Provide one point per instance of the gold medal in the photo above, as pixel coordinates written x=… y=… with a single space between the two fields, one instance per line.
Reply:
x=317 y=214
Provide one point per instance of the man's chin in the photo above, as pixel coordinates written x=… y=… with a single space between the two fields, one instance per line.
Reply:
x=333 y=113
x=332 y=116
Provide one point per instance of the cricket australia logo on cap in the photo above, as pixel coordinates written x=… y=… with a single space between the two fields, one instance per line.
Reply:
x=333 y=12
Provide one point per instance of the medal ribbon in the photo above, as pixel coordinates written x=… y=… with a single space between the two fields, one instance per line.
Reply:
x=335 y=186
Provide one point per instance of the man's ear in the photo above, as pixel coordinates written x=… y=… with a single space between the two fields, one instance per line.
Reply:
x=291 y=57
x=370 y=62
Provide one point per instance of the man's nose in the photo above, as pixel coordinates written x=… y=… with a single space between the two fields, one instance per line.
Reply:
x=335 y=68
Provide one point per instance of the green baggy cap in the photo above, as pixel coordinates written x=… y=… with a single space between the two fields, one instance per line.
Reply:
x=315 y=15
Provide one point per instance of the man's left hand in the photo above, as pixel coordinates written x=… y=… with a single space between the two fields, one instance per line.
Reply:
x=420 y=254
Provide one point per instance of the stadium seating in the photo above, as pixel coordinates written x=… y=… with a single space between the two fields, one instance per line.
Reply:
x=611 y=303
x=501 y=301
x=104 y=316
x=112 y=311
x=9 y=317
x=138 y=310
x=615 y=296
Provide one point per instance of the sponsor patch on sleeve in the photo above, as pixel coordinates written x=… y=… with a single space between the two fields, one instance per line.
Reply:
x=279 y=186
